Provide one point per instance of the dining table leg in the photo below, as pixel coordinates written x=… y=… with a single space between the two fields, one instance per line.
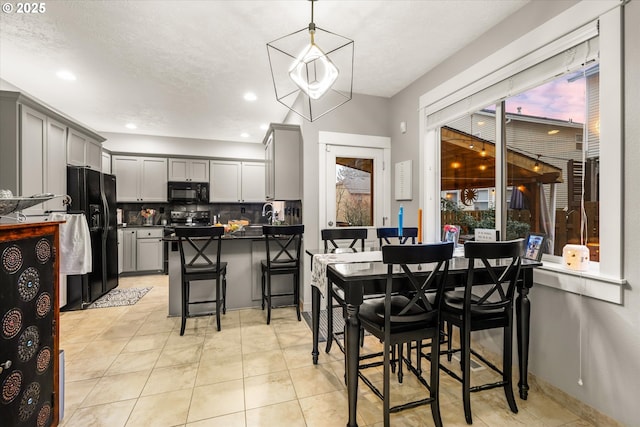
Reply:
x=523 y=318
x=315 y=321
x=352 y=349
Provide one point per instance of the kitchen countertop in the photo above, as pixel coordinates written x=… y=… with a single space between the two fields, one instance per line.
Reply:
x=229 y=236
x=141 y=226
x=251 y=232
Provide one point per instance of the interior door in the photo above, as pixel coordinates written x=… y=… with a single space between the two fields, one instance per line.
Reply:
x=355 y=187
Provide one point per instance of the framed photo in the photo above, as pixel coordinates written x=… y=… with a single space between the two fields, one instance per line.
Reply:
x=535 y=246
x=451 y=233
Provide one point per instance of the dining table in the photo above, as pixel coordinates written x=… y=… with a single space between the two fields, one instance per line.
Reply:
x=359 y=274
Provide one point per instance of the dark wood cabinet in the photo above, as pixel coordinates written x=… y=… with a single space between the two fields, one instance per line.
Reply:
x=29 y=324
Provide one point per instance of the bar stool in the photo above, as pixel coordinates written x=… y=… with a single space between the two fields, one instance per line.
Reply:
x=201 y=267
x=285 y=259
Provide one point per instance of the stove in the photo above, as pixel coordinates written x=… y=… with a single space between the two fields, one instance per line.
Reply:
x=190 y=218
x=182 y=218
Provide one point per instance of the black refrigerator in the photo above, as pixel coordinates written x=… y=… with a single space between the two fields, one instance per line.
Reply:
x=94 y=193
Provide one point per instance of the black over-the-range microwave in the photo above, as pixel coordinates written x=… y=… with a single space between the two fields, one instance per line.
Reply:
x=188 y=192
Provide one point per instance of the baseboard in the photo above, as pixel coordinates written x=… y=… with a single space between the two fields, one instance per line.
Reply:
x=577 y=406
x=538 y=385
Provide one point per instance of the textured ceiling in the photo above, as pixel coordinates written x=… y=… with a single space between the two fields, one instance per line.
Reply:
x=180 y=68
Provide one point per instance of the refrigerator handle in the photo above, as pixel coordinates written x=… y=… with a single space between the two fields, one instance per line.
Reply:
x=105 y=210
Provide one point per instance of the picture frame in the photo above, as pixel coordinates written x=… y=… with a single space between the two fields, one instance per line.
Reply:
x=535 y=246
x=451 y=233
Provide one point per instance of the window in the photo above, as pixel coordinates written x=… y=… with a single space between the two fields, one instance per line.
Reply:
x=551 y=187
x=354 y=195
x=589 y=56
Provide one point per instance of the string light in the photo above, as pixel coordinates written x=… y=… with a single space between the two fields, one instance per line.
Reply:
x=536 y=166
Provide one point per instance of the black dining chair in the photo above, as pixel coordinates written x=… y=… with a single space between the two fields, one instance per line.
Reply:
x=200 y=249
x=284 y=243
x=497 y=266
x=339 y=239
x=385 y=234
x=410 y=315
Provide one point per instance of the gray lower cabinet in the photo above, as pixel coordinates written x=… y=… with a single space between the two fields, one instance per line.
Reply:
x=120 y=250
x=149 y=247
x=129 y=250
x=141 y=249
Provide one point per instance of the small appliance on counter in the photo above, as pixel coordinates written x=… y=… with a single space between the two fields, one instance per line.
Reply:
x=190 y=218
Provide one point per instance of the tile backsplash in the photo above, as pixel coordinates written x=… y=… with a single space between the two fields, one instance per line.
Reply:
x=251 y=212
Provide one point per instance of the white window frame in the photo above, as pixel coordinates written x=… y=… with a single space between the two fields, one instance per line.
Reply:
x=604 y=280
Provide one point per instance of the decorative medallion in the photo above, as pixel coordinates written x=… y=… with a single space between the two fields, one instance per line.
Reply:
x=29 y=401
x=43 y=415
x=43 y=360
x=28 y=343
x=28 y=284
x=469 y=196
x=11 y=323
x=43 y=251
x=12 y=259
x=11 y=387
x=43 y=305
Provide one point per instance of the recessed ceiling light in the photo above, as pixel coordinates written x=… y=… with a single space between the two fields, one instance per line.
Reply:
x=553 y=131
x=66 y=75
x=264 y=126
x=131 y=126
x=250 y=96
x=244 y=135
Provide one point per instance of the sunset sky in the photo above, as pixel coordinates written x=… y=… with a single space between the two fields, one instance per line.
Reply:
x=559 y=99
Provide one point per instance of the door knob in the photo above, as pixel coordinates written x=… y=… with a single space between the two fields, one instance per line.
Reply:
x=330 y=223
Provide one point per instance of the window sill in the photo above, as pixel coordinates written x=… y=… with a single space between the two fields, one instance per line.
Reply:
x=589 y=283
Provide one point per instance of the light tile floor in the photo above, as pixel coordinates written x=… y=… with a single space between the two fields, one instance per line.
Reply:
x=128 y=366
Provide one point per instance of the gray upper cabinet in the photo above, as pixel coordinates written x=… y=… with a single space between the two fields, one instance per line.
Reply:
x=140 y=179
x=283 y=162
x=106 y=162
x=193 y=170
x=233 y=181
x=33 y=142
x=83 y=151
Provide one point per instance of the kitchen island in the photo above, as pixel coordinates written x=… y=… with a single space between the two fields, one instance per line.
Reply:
x=243 y=252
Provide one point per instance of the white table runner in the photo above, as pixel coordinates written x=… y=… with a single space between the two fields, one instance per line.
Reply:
x=321 y=261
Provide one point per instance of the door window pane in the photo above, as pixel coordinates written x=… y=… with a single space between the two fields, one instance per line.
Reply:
x=354 y=192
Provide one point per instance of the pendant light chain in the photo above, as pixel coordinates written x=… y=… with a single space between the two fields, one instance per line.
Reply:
x=312 y=25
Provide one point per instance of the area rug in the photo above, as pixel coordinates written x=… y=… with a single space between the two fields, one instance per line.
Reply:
x=120 y=297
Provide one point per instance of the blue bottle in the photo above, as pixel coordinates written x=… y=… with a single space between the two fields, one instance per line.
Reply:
x=400 y=220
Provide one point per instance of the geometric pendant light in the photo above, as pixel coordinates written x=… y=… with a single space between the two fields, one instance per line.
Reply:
x=309 y=79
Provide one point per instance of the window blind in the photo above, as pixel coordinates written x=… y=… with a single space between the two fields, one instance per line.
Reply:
x=565 y=54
